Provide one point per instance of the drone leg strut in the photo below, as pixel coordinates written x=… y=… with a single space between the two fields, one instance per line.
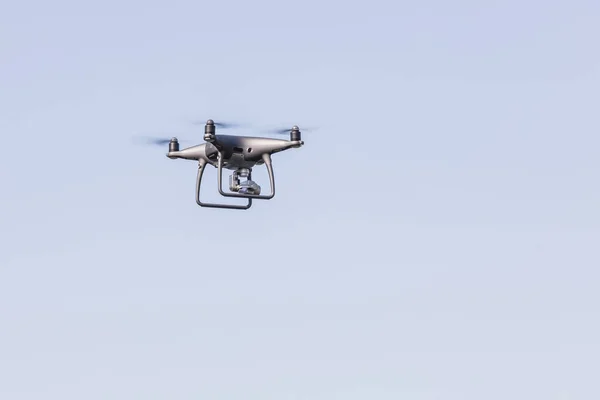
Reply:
x=267 y=159
x=201 y=167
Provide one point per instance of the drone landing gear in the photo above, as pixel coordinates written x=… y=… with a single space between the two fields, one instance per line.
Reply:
x=201 y=168
x=247 y=189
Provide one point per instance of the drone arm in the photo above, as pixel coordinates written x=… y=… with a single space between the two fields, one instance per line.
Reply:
x=268 y=163
x=201 y=167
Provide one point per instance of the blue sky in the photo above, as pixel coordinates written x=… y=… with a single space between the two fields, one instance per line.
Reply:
x=436 y=237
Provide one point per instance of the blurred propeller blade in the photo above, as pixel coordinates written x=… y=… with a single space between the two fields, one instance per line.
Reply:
x=155 y=141
x=279 y=131
x=288 y=130
x=223 y=125
x=158 y=142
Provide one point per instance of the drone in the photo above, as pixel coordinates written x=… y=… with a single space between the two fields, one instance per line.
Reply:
x=238 y=154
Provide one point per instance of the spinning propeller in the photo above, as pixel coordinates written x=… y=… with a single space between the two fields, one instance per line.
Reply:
x=222 y=125
x=154 y=141
x=286 y=131
x=157 y=141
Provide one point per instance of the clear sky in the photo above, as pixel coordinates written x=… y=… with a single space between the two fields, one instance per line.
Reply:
x=436 y=238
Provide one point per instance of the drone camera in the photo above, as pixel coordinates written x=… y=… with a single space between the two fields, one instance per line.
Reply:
x=246 y=187
x=234 y=182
